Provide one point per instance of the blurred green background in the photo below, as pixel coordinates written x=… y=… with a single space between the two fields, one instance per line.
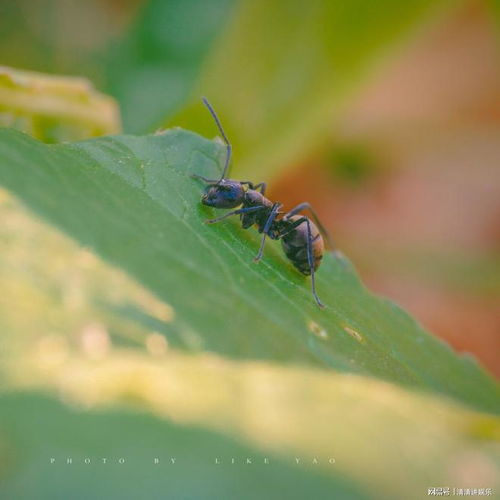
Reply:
x=384 y=115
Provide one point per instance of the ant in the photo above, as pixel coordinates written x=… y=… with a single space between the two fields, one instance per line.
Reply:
x=300 y=238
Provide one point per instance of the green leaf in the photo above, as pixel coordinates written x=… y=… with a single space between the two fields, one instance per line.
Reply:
x=352 y=435
x=59 y=303
x=132 y=200
x=55 y=108
x=381 y=438
x=27 y=446
x=282 y=73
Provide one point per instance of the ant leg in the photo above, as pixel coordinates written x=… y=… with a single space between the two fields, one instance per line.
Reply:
x=294 y=224
x=311 y=263
x=270 y=220
x=234 y=212
x=261 y=185
x=204 y=179
x=307 y=206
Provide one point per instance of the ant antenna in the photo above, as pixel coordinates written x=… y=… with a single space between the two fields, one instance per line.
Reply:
x=221 y=130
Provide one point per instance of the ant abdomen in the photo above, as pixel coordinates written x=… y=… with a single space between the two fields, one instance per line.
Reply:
x=294 y=245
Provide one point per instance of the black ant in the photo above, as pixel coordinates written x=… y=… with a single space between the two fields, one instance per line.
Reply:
x=300 y=238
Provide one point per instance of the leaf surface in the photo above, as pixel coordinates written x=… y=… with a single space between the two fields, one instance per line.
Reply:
x=132 y=200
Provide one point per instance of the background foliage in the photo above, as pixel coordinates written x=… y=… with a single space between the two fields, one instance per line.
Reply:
x=176 y=344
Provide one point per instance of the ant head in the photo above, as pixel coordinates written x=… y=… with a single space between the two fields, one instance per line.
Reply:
x=225 y=194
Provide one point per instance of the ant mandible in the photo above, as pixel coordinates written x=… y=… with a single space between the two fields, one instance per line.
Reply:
x=300 y=238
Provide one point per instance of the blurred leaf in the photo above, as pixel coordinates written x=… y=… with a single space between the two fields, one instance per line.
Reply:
x=152 y=71
x=494 y=5
x=133 y=201
x=56 y=36
x=366 y=426
x=27 y=444
x=282 y=71
x=55 y=108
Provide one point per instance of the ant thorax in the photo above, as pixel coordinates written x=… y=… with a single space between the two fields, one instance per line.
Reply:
x=254 y=199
